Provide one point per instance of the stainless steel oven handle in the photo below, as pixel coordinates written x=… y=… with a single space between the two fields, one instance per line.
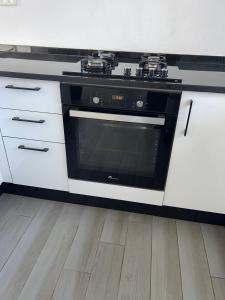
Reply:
x=119 y=118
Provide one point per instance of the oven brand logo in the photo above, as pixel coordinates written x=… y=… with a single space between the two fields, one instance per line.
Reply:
x=112 y=178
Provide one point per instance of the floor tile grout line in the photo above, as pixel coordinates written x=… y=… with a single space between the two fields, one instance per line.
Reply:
x=10 y=254
x=63 y=267
x=99 y=238
x=110 y=243
x=40 y=251
x=150 y=296
x=70 y=269
x=89 y=279
x=124 y=249
x=179 y=259
x=216 y=277
x=207 y=259
x=120 y=273
x=99 y=242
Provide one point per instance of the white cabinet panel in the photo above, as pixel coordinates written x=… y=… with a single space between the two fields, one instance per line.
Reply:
x=196 y=178
x=41 y=96
x=14 y=123
x=37 y=168
x=5 y=175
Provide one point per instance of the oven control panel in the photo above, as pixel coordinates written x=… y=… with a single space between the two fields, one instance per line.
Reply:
x=120 y=99
x=114 y=98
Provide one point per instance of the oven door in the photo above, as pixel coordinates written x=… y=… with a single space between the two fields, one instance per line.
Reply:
x=118 y=149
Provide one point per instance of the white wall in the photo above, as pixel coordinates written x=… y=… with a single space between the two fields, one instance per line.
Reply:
x=170 y=26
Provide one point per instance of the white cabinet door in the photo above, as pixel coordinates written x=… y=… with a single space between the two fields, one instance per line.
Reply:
x=196 y=178
x=5 y=175
x=39 y=164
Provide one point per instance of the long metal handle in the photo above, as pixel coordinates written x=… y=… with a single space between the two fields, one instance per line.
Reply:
x=22 y=147
x=27 y=120
x=119 y=118
x=35 y=89
x=188 y=118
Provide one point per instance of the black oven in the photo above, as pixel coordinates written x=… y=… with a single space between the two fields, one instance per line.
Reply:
x=119 y=136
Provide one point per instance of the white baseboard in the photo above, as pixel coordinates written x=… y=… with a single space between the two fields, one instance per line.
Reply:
x=116 y=192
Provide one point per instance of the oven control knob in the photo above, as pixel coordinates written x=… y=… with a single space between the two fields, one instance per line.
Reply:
x=140 y=103
x=96 y=100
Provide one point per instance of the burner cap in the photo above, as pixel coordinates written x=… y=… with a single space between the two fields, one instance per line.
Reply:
x=153 y=66
x=102 y=62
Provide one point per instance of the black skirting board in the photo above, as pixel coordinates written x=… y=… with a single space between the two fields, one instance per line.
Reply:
x=162 y=211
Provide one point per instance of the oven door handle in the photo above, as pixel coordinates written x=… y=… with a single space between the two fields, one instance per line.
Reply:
x=118 y=118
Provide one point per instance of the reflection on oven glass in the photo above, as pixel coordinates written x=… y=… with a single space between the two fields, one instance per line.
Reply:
x=113 y=147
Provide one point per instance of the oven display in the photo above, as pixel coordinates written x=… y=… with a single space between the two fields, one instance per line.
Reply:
x=118 y=98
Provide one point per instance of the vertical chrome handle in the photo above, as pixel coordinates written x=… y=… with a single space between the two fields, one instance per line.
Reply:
x=188 y=118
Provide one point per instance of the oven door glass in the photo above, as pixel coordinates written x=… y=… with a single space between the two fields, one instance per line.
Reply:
x=125 y=150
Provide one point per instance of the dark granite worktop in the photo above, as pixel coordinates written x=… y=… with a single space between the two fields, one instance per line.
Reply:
x=206 y=74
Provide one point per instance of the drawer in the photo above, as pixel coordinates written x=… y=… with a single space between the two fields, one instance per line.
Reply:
x=38 y=164
x=33 y=95
x=32 y=125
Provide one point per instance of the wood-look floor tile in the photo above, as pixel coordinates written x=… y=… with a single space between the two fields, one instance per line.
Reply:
x=8 y=207
x=214 y=238
x=29 y=206
x=71 y=286
x=84 y=247
x=219 y=288
x=20 y=264
x=165 y=274
x=140 y=218
x=115 y=227
x=136 y=269
x=25 y=206
x=105 y=276
x=10 y=235
x=45 y=274
x=196 y=281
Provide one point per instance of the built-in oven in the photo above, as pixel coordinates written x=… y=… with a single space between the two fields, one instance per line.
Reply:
x=119 y=136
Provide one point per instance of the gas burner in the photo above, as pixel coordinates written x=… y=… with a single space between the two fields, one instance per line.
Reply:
x=152 y=67
x=108 y=56
x=99 y=62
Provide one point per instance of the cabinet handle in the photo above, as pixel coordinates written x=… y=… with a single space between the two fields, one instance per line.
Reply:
x=36 y=89
x=188 y=118
x=26 y=120
x=22 y=147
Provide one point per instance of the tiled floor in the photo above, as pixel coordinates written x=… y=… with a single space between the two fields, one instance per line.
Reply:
x=57 y=251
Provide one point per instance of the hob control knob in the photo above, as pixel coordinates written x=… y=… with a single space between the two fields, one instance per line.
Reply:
x=96 y=100
x=140 y=103
x=127 y=72
x=139 y=72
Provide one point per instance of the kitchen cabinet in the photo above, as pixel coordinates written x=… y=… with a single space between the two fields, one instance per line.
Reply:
x=32 y=143
x=5 y=175
x=196 y=177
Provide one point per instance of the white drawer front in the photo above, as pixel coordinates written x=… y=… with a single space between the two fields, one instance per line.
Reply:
x=27 y=94
x=32 y=125
x=45 y=169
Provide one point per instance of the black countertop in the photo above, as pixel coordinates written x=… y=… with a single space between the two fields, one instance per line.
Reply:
x=195 y=73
